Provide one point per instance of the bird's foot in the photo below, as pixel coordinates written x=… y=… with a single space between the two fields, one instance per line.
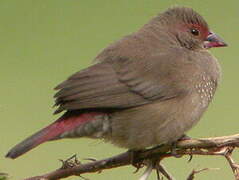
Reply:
x=174 y=146
x=186 y=137
x=137 y=162
x=134 y=160
x=70 y=162
x=174 y=150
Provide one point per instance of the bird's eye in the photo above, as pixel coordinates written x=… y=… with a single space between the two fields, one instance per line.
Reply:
x=195 y=32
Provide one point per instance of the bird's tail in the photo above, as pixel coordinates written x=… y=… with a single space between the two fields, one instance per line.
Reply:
x=51 y=132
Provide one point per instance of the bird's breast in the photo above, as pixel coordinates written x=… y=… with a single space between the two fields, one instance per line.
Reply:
x=205 y=88
x=156 y=123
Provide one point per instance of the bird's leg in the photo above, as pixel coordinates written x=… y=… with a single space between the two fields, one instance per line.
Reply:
x=174 y=150
x=134 y=156
x=174 y=146
x=134 y=159
x=186 y=137
x=70 y=162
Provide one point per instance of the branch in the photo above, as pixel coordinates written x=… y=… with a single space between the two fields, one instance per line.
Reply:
x=3 y=176
x=220 y=146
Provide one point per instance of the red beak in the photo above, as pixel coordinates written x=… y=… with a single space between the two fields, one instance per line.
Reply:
x=214 y=40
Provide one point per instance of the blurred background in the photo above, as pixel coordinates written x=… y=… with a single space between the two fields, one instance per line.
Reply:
x=43 y=42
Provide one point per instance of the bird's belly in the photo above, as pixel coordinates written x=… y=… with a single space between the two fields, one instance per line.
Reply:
x=154 y=124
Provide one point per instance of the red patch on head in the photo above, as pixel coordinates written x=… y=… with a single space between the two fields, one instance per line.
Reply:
x=204 y=32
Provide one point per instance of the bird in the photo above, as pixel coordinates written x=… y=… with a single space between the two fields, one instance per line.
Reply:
x=146 y=89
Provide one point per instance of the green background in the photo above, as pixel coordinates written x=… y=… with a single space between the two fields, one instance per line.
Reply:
x=43 y=42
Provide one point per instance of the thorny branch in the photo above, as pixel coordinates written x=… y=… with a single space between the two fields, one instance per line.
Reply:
x=219 y=146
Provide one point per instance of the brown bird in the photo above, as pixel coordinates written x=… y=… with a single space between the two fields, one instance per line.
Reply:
x=144 y=90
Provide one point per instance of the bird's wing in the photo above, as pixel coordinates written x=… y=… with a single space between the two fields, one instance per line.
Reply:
x=121 y=83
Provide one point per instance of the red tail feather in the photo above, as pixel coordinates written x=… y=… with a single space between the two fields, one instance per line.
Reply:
x=66 y=123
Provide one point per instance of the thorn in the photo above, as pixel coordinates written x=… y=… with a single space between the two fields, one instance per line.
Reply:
x=93 y=160
x=194 y=172
x=70 y=162
x=90 y=159
x=83 y=177
x=190 y=158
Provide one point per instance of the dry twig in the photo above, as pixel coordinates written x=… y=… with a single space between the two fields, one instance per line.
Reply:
x=220 y=146
x=192 y=174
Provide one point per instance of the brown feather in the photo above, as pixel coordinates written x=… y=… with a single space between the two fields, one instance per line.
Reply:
x=146 y=89
x=151 y=79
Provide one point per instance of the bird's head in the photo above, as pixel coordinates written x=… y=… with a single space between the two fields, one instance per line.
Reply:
x=190 y=29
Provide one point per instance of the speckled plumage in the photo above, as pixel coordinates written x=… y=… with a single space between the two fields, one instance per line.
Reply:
x=146 y=89
x=169 y=84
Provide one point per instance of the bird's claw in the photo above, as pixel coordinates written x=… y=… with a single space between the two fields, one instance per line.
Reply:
x=134 y=160
x=174 y=150
x=174 y=146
